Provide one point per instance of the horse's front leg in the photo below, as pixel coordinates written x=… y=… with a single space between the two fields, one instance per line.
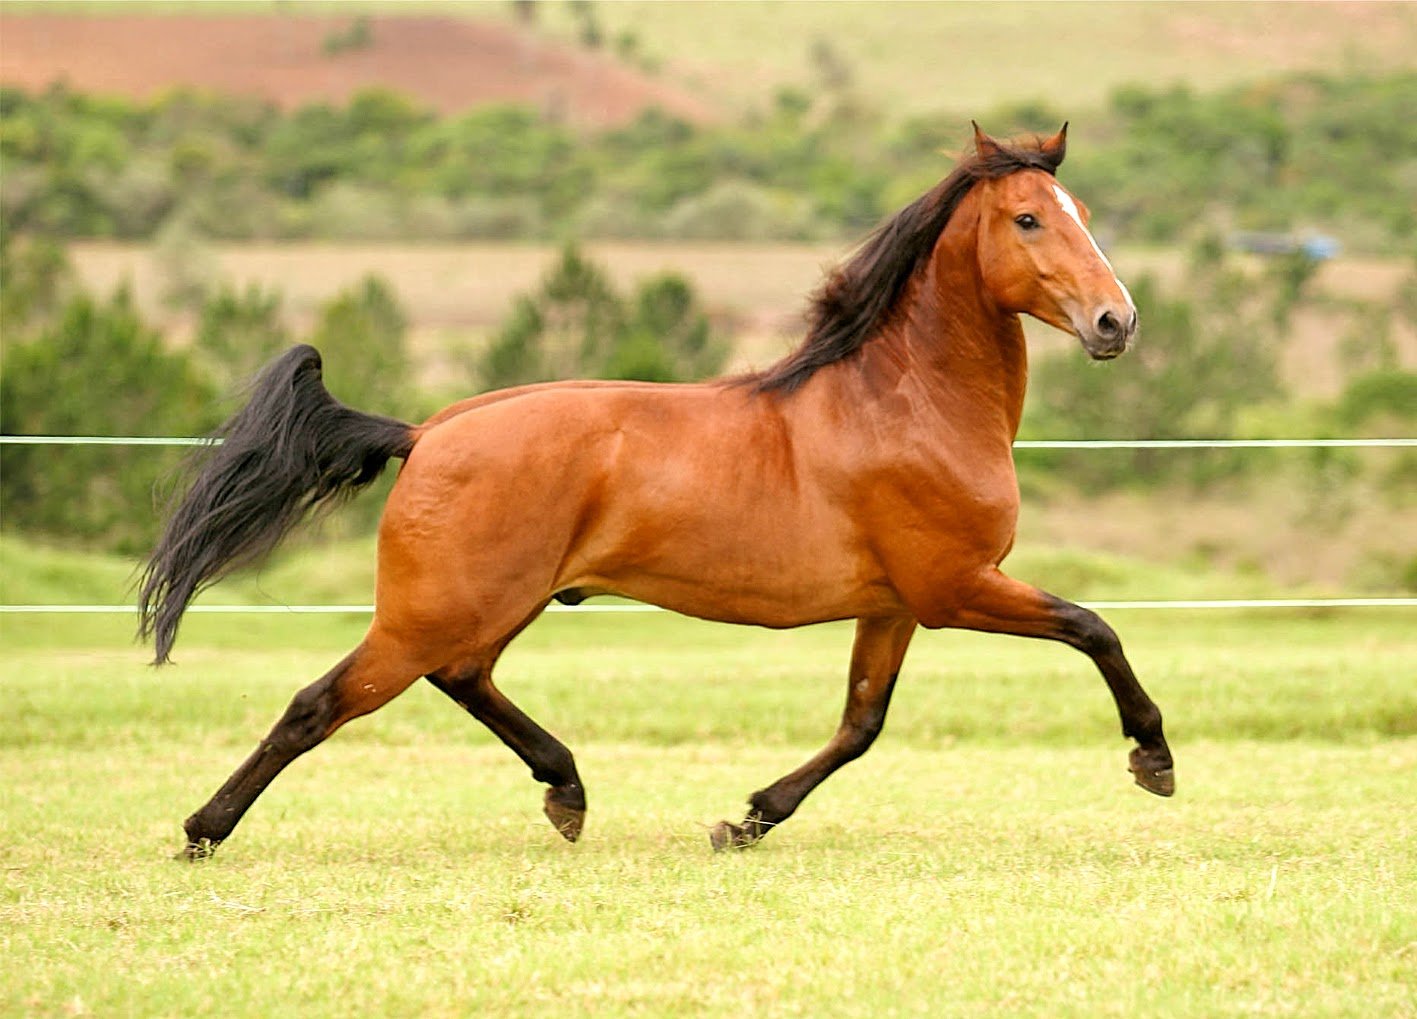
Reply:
x=1000 y=604
x=875 y=662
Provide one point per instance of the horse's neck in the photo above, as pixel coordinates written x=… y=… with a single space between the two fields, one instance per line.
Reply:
x=951 y=344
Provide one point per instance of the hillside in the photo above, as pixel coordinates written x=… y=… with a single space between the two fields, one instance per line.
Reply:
x=700 y=60
x=450 y=63
x=967 y=58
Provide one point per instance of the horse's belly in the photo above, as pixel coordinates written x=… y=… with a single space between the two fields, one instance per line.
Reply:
x=786 y=572
x=762 y=604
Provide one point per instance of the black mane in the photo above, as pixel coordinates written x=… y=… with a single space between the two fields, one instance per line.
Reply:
x=858 y=297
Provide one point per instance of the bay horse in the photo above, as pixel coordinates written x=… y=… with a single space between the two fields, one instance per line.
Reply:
x=868 y=475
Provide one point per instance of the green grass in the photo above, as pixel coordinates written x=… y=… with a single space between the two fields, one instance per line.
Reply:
x=988 y=857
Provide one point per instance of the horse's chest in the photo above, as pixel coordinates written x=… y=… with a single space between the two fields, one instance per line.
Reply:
x=947 y=516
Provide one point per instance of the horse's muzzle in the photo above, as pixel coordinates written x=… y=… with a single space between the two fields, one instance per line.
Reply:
x=1108 y=333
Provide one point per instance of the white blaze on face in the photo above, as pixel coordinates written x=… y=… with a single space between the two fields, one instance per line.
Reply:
x=1071 y=208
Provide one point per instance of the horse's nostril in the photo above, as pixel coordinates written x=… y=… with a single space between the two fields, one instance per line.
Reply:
x=1107 y=325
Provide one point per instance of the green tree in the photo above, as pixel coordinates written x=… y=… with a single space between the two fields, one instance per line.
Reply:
x=1197 y=366
x=362 y=336
x=565 y=330
x=35 y=277
x=239 y=331
x=97 y=370
x=575 y=325
x=667 y=337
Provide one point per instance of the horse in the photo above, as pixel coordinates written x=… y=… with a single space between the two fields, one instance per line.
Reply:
x=867 y=475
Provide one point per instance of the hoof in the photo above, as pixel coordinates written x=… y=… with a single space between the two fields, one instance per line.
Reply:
x=732 y=836
x=1154 y=778
x=198 y=849
x=567 y=820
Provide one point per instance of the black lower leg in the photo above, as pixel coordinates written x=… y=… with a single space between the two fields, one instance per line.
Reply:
x=547 y=757
x=769 y=807
x=305 y=723
x=1150 y=762
x=875 y=661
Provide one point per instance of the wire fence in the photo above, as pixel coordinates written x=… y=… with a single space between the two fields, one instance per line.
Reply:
x=178 y=440
x=336 y=610
x=1143 y=604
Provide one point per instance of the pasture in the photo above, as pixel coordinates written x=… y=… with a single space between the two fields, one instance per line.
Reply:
x=988 y=857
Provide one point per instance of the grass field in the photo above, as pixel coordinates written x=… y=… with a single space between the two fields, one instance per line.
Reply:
x=988 y=857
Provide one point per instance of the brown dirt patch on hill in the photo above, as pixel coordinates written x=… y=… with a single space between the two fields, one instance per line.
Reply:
x=448 y=63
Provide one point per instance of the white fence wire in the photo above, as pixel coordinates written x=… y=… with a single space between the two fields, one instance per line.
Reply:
x=1216 y=603
x=1187 y=604
x=175 y=440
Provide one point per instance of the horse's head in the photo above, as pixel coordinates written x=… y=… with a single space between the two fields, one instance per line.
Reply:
x=1037 y=256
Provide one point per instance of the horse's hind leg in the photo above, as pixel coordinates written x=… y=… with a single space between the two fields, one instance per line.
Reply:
x=875 y=661
x=369 y=677
x=550 y=762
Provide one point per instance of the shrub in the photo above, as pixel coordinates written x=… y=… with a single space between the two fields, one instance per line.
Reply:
x=575 y=325
x=96 y=370
x=736 y=210
x=361 y=334
x=238 y=332
x=1387 y=395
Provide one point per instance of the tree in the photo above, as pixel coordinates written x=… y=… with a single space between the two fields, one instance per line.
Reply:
x=667 y=338
x=239 y=331
x=566 y=329
x=576 y=326
x=97 y=370
x=361 y=335
x=35 y=276
x=1196 y=367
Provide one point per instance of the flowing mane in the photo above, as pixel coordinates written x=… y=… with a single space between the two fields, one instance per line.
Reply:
x=859 y=297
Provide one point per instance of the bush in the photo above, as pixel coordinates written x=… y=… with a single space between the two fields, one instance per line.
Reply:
x=736 y=210
x=361 y=334
x=96 y=371
x=576 y=326
x=1386 y=397
x=1300 y=152
x=238 y=332
x=35 y=277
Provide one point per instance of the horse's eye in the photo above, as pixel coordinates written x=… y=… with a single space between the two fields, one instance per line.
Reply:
x=1026 y=221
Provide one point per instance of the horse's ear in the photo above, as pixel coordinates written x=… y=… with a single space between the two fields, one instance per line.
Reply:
x=1055 y=148
x=983 y=144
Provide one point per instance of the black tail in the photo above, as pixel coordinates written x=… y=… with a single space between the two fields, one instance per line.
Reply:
x=293 y=448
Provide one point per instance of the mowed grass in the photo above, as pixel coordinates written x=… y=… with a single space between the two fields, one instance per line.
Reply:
x=988 y=857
